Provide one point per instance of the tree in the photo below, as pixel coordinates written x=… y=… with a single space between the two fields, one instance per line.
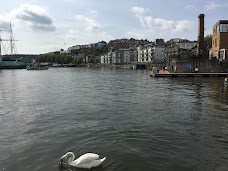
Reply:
x=68 y=59
x=208 y=38
x=208 y=41
x=77 y=61
x=57 y=59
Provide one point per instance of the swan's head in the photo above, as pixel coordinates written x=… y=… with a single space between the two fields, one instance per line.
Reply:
x=66 y=159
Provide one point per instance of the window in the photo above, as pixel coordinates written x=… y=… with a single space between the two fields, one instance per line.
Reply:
x=222 y=54
x=217 y=29
x=223 y=27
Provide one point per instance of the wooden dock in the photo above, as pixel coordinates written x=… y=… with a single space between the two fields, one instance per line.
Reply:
x=189 y=75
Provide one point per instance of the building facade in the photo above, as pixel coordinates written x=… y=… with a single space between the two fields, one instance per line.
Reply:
x=219 y=48
x=87 y=46
x=120 y=56
x=180 y=53
x=107 y=58
x=180 y=48
x=151 y=52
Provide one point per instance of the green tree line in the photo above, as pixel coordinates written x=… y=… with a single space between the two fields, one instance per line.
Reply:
x=56 y=58
x=63 y=59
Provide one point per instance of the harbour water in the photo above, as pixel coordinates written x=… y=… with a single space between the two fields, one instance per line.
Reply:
x=137 y=122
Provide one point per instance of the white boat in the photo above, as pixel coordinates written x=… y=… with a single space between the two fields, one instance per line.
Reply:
x=226 y=80
x=57 y=65
x=36 y=66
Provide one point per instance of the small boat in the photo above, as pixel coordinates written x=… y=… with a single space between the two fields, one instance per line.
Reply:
x=226 y=80
x=154 y=72
x=57 y=65
x=36 y=66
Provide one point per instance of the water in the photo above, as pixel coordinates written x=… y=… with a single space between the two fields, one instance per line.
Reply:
x=137 y=122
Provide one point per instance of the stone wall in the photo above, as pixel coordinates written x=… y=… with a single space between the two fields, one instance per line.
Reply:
x=203 y=64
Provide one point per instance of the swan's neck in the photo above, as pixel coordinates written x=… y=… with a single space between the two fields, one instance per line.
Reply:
x=71 y=157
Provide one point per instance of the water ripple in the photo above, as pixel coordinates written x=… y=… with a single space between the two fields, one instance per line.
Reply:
x=137 y=122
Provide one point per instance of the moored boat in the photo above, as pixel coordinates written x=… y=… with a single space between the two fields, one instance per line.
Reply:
x=9 y=60
x=226 y=79
x=36 y=67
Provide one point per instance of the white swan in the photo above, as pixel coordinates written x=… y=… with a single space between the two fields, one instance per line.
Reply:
x=86 y=161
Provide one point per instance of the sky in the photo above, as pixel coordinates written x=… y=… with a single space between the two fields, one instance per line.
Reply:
x=42 y=26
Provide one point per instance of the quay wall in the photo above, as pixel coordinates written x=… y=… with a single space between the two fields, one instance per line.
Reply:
x=203 y=64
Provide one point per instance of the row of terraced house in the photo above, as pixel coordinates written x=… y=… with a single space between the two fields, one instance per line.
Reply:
x=180 y=55
x=177 y=54
x=155 y=52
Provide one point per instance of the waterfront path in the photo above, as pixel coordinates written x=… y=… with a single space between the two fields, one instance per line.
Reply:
x=164 y=73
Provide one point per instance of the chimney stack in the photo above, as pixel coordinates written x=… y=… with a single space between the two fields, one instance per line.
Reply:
x=200 y=46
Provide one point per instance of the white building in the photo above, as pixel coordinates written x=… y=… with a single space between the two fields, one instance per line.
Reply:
x=103 y=59
x=124 y=56
x=92 y=45
x=120 y=56
x=107 y=58
x=150 y=52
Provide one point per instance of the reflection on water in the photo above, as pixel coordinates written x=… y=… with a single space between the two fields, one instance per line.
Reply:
x=137 y=122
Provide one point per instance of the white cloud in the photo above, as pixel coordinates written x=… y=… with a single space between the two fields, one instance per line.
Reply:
x=51 y=47
x=138 y=10
x=71 y=1
x=213 y=5
x=88 y=23
x=190 y=7
x=72 y=34
x=87 y=30
x=93 y=13
x=161 y=25
x=34 y=17
x=183 y=26
x=4 y=24
x=86 y=37
x=135 y=35
x=105 y=36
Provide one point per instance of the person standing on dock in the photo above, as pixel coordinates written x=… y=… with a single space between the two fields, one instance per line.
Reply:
x=196 y=70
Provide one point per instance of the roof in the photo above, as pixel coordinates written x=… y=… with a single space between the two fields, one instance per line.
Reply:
x=221 y=22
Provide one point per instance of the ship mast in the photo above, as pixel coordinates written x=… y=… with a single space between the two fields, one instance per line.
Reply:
x=0 y=48
x=11 y=40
